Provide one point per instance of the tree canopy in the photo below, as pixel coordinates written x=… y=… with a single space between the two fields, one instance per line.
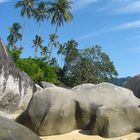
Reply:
x=91 y=65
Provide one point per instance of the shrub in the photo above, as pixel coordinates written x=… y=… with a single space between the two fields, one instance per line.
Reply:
x=38 y=70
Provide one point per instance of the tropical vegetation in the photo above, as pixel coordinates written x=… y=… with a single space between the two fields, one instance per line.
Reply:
x=75 y=66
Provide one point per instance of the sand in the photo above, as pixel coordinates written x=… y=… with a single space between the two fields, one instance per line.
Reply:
x=77 y=135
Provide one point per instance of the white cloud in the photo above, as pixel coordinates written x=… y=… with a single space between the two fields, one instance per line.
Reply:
x=131 y=7
x=2 y=1
x=92 y=34
x=119 y=6
x=81 y=4
x=108 y=6
x=125 y=26
x=129 y=25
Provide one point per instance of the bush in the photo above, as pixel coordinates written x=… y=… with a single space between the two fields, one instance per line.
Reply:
x=38 y=70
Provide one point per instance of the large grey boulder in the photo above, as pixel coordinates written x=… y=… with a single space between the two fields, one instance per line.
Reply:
x=83 y=86
x=10 y=130
x=57 y=110
x=116 y=121
x=134 y=85
x=51 y=112
x=16 y=87
x=105 y=94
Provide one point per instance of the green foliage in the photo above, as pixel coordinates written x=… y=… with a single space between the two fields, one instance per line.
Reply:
x=119 y=81
x=14 y=53
x=38 y=70
x=14 y=35
x=53 y=43
x=26 y=7
x=91 y=65
x=60 y=12
x=71 y=51
x=41 y=12
x=37 y=43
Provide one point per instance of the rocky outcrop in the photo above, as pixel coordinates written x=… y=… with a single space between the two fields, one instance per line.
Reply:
x=16 y=87
x=134 y=85
x=57 y=110
x=83 y=86
x=116 y=121
x=7 y=115
x=46 y=84
x=10 y=130
x=53 y=110
x=38 y=87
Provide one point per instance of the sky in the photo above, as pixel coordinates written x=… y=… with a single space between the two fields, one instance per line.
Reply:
x=112 y=24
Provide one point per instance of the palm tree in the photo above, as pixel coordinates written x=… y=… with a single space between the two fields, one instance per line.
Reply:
x=40 y=14
x=61 y=51
x=44 y=51
x=26 y=10
x=53 y=43
x=37 y=43
x=60 y=12
x=71 y=50
x=53 y=62
x=14 y=35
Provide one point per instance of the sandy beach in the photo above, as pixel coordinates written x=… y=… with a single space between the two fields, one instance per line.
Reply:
x=77 y=135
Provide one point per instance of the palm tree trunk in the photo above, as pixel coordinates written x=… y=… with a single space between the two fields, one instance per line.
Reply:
x=52 y=46
x=61 y=60
x=39 y=25
x=49 y=58
x=36 y=50
x=56 y=29
x=23 y=28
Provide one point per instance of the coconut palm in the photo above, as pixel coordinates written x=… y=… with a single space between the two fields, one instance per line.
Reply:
x=60 y=12
x=53 y=62
x=40 y=14
x=61 y=51
x=52 y=43
x=26 y=10
x=44 y=52
x=14 y=35
x=37 y=43
x=71 y=50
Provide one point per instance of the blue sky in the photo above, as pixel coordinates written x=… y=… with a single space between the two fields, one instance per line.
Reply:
x=112 y=24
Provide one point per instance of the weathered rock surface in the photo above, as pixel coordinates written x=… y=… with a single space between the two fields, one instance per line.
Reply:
x=134 y=85
x=38 y=87
x=116 y=121
x=7 y=115
x=46 y=84
x=16 y=87
x=10 y=130
x=52 y=111
x=57 y=110
x=83 y=86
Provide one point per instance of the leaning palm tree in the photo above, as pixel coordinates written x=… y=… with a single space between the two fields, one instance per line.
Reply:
x=52 y=43
x=60 y=12
x=37 y=43
x=40 y=14
x=14 y=35
x=26 y=10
